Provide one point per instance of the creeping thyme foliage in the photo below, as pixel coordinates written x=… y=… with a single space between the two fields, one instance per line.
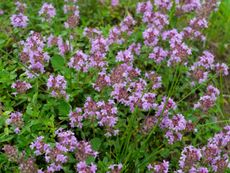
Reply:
x=139 y=92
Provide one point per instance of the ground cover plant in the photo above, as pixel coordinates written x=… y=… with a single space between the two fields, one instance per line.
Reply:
x=113 y=86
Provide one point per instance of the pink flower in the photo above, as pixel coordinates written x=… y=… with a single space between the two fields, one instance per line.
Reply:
x=114 y=3
x=16 y=121
x=47 y=11
x=143 y=7
x=150 y=36
x=19 y=20
x=221 y=69
x=21 y=87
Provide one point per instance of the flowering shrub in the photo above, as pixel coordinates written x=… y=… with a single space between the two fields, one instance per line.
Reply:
x=137 y=95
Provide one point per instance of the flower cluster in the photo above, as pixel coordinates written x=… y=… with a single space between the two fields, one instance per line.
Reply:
x=26 y=165
x=128 y=71
x=208 y=100
x=56 y=156
x=57 y=85
x=20 y=7
x=73 y=16
x=114 y=3
x=199 y=70
x=159 y=168
x=116 y=33
x=84 y=150
x=64 y=46
x=11 y=152
x=47 y=12
x=16 y=121
x=33 y=54
x=213 y=156
x=20 y=87
x=79 y=61
x=19 y=20
x=83 y=167
x=105 y=113
x=115 y=168
x=39 y=146
x=188 y=6
x=76 y=118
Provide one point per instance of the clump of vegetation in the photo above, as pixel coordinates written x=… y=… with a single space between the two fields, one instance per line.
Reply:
x=110 y=87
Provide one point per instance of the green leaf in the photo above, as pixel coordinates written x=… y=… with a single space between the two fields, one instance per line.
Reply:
x=58 y=62
x=4 y=76
x=96 y=143
x=90 y=159
x=6 y=138
x=63 y=108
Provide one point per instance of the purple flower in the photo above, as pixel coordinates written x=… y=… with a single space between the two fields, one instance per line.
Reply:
x=220 y=164
x=135 y=48
x=99 y=45
x=20 y=87
x=206 y=60
x=76 y=118
x=178 y=122
x=163 y=4
x=198 y=73
x=221 y=69
x=189 y=6
x=64 y=47
x=205 y=103
x=159 y=168
x=179 y=51
x=20 y=7
x=39 y=146
x=189 y=156
x=19 y=20
x=173 y=136
x=1 y=12
x=115 y=168
x=107 y=115
x=84 y=150
x=82 y=167
x=90 y=108
x=198 y=170
x=92 y=33
x=79 y=61
x=142 y=7
x=114 y=3
x=125 y=56
x=212 y=91
x=198 y=23
x=115 y=36
x=47 y=11
x=33 y=54
x=57 y=85
x=66 y=140
x=148 y=101
x=190 y=33
x=28 y=165
x=162 y=167
x=73 y=13
x=127 y=24
x=53 y=40
x=156 y=20
x=158 y=54
x=155 y=79
x=16 y=121
x=150 y=36
x=102 y=81
x=11 y=152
